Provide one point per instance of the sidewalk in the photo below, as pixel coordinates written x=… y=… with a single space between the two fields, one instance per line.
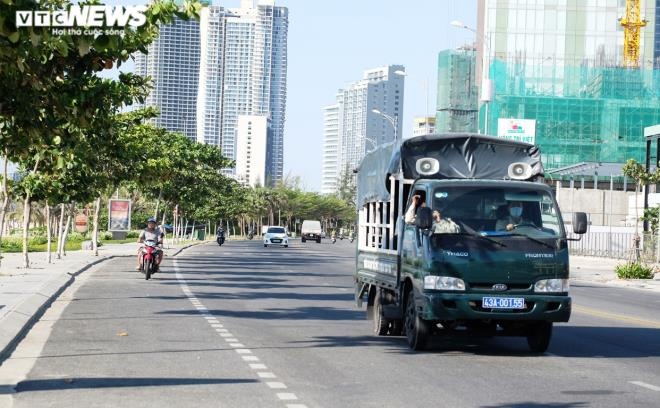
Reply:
x=601 y=270
x=26 y=293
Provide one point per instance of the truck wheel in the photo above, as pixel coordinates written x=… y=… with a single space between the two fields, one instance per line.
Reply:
x=381 y=324
x=303 y=240
x=318 y=240
x=417 y=330
x=538 y=336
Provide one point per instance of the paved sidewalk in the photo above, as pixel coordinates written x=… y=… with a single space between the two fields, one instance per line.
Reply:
x=601 y=270
x=26 y=293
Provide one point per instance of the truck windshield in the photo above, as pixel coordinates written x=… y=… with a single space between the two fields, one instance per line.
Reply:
x=496 y=212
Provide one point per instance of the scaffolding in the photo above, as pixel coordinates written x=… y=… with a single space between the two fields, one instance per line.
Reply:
x=583 y=113
x=457 y=107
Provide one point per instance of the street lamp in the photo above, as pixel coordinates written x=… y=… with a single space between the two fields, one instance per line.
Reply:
x=393 y=120
x=486 y=83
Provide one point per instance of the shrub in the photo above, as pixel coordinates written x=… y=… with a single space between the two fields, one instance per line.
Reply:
x=38 y=240
x=132 y=234
x=11 y=244
x=76 y=236
x=105 y=235
x=634 y=270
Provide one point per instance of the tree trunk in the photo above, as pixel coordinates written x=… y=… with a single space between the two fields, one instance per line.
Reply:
x=160 y=193
x=185 y=230
x=162 y=224
x=60 y=232
x=49 y=252
x=27 y=207
x=95 y=230
x=5 y=201
x=67 y=227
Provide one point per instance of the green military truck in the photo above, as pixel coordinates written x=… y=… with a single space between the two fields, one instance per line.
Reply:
x=459 y=235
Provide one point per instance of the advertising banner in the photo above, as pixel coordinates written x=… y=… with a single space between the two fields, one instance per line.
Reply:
x=521 y=130
x=119 y=217
x=81 y=223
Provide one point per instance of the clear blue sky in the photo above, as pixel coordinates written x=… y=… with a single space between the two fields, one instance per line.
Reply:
x=331 y=42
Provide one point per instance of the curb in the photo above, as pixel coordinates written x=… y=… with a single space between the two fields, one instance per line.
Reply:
x=18 y=322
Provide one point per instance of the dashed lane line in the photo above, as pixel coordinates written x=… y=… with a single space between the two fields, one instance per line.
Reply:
x=240 y=348
x=645 y=385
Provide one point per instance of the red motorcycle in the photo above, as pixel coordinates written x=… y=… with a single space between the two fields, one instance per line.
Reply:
x=149 y=255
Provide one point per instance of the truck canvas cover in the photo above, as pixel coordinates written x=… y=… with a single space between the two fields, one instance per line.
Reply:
x=461 y=156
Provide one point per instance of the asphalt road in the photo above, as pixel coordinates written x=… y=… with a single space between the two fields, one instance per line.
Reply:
x=246 y=326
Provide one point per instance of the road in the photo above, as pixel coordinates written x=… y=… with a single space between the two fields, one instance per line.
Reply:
x=246 y=326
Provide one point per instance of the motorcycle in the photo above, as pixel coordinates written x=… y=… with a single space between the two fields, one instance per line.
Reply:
x=149 y=255
x=221 y=238
x=334 y=239
x=250 y=235
x=351 y=237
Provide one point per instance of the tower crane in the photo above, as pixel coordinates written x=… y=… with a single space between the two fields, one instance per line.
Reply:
x=632 y=23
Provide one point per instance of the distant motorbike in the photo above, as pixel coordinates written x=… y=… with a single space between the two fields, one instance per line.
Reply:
x=351 y=237
x=334 y=239
x=220 y=238
x=250 y=235
x=149 y=254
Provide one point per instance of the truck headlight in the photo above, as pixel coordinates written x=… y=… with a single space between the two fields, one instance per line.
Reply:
x=443 y=283
x=551 y=286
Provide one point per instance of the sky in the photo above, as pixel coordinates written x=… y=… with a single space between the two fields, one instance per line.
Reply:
x=330 y=44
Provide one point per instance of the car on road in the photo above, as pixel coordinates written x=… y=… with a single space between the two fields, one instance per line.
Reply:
x=276 y=236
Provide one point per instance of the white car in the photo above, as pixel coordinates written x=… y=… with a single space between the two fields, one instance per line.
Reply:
x=276 y=236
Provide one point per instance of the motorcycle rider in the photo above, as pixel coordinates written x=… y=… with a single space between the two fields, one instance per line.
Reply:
x=220 y=234
x=152 y=233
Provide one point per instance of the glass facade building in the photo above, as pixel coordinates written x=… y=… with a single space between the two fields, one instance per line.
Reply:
x=559 y=63
x=172 y=63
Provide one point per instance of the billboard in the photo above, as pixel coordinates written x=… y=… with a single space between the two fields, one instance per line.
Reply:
x=119 y=217
x=521 y=130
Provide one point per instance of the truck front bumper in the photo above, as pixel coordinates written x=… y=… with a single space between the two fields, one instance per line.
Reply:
x=468 y=306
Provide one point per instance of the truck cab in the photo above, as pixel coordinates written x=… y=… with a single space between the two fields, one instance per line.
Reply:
x=479 y=255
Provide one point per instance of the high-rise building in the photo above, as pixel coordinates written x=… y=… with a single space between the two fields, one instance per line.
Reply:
x=358 y=128
x=330 y=161
x=208 y=74
x=252 y=133
x=243 y=72
x=456 y=109
x=172 y=62
x=559 y=78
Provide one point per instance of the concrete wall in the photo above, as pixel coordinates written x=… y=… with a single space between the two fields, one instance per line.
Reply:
x=603 y=206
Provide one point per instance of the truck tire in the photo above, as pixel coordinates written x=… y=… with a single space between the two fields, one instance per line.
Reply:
x=538 y=336
x=381 y=324
x=303 y=240
x=396 y=327
x=417 y=330
x=318 y=240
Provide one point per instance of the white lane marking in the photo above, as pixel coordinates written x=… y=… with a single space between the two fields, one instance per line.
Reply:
x=266 y=374
x=245 y=353
x=645 y=385
x=258 y=366
x=286 y=396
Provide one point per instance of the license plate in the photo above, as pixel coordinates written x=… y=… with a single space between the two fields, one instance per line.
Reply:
x=503 y=303
x=277 y=241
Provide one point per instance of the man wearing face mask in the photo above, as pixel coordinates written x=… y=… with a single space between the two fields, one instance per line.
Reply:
x=514 y=217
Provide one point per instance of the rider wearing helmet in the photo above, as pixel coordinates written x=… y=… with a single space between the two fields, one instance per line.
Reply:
x=150 y=233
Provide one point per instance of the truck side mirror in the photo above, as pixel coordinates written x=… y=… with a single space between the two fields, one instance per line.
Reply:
x=424 y=218
x=580 y=223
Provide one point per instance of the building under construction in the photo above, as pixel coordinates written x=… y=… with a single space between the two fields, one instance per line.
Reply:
x=562 y=75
